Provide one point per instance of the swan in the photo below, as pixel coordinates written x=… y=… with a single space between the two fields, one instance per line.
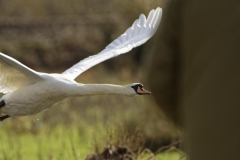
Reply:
x=28 y=92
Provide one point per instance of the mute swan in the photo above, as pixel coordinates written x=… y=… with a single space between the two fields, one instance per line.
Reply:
x=29 y=92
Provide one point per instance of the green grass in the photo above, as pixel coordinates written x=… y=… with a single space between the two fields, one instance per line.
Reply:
x=62 y=142
x=44 y=145
x=86 y=126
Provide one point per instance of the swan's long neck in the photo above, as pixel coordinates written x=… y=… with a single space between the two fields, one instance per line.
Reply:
x=99 y=89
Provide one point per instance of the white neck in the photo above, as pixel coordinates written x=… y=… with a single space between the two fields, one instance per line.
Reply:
x=101 y=89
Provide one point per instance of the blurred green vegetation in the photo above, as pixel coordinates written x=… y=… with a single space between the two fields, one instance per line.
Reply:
x=51 y=36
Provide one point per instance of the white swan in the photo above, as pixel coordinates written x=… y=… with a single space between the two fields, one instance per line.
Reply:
x=29 y=92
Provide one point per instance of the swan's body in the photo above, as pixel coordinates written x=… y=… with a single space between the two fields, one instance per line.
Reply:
x=29 y=92
x=47 y=93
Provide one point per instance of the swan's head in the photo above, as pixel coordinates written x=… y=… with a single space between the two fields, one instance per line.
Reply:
x=137 y=89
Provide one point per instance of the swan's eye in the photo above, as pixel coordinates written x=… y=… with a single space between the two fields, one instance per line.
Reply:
x=135 y=87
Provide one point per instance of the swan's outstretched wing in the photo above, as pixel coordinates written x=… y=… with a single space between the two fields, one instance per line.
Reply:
x=141 y=30
x=14 y=75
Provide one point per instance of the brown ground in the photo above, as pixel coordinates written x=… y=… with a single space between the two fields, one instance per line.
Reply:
x=112 y=153
x=124 y=153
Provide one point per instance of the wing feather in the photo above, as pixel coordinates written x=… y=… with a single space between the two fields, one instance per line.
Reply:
x=141 y=30
x=14 y=75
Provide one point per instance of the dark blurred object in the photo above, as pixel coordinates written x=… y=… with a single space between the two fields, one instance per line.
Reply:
x=113 y=153
x=195 y=74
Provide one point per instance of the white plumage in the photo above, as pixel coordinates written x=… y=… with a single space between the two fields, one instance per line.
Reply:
x=141 y=30
x=29 y=92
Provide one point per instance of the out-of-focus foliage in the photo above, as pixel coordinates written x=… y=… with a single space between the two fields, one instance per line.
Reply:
x=65 y=31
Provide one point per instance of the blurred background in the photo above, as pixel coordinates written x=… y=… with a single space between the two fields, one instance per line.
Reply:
x=51 y=36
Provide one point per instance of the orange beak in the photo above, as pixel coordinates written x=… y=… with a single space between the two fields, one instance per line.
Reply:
x=142 y=91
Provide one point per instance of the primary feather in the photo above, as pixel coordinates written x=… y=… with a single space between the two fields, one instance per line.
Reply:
x=141 y=30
